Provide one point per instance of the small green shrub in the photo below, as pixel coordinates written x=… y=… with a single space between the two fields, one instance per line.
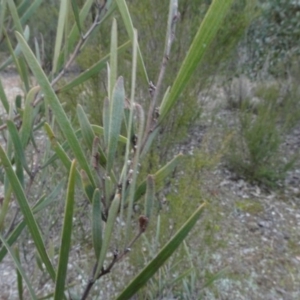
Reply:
x=255 y=150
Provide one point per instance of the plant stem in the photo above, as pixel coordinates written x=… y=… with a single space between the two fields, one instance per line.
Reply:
x=151 y=119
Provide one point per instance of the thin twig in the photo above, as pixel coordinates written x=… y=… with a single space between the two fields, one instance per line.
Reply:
x=154 y=90
x=92 y=281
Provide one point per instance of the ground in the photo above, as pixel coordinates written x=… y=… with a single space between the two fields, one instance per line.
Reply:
x=257 y=234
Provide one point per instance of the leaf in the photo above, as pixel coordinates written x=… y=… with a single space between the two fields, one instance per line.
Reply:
x=19 y=151
x=60 y=152
x=37 y=51
x=163 y=102
x=3 y=97
x=98 y=130
x=115 y=121
x=76 y=14
x=24 y=74
x=16 y=52
x=65 y=244
x=108 y=186
x=27 y=212
x=112 y=215
x=96 y=68
x=21 y=8
x=113 y=58
x=12 y=238
x=15 y=16
x=62 y=20
x=86 y=128
x=19 y=267
x=56 y=107
x=2 y=17
x=128 y=116
x=149 y=141
x=87 y=186
x=205 y=35
x=172 y=18
x=47 y=200
x=5 y=204
x=73 y=36
x=28 y=116
x=123 y=9
x=159 y=177
x=161 y=257
x=30 y=11
x=98 y=156
x=19 y=276
x=97 y=223
x=106 y=120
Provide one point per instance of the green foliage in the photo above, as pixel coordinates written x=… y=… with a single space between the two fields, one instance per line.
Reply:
x=273 y=36
x=151 y=40
x=255 y=150
x=101 y=162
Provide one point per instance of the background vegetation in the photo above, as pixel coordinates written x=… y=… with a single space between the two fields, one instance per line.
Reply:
x=253 y=59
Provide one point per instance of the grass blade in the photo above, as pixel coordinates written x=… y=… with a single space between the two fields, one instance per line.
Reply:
x=27 y=212
x=97 y=223
x=205 y=35
x=161 y=257
x=19 y=267
x=115 y=121
x=56 y=107
x=65 y=244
